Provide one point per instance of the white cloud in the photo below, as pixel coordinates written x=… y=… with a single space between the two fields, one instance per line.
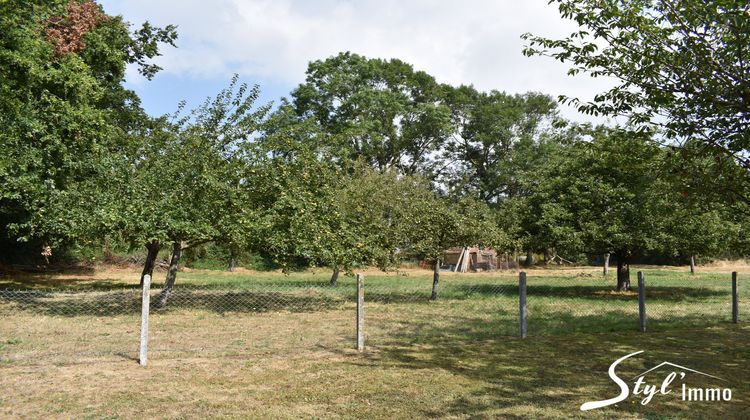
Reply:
x=471 y=41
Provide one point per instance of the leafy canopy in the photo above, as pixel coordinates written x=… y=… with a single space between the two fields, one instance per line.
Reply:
x=381 y=111
x=681 y=64
x=65 y=114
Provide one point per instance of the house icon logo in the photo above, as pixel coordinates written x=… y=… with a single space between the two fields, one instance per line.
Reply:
x=675 y=366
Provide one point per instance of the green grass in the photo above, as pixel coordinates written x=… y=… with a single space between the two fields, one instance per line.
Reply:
x=270 y=345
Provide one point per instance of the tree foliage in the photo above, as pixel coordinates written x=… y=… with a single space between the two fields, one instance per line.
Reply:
x=65 y=114
x=681 y=64
x=381 y=111
x=603 y=195
x=494 y=139
x=186 y=182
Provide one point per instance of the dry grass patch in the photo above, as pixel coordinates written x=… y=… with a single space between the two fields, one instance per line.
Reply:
x=454 y=358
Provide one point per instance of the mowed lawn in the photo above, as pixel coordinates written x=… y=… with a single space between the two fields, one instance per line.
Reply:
x=269 y=345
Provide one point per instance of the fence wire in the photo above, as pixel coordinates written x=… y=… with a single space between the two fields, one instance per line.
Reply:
x=244 y=319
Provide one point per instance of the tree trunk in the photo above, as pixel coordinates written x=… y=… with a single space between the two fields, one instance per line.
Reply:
x=108 y=254
x=435 y=280
x=623 y=274
x=171 y=275
x=606 y=264
x=232 y=260
x=148 y=267
x=529 y=258
x=692 y=264
x=334 y=276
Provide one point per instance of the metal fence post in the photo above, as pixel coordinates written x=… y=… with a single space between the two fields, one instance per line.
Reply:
x=145 y=301
x=642 y=301
x=735 y=308
x=522 y=303
x=360 y=312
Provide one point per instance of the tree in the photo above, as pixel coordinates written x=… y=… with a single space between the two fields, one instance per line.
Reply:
x=380 y=111
x=698 y=232
x=437 y=224
x=681 y=64
x=65 y=114
x=703 y=222
x=297 y=217
x=186 y=184
x=518 y=213
x=498 y=142
x=604 y=194
x=495 y=138
x=312 y=212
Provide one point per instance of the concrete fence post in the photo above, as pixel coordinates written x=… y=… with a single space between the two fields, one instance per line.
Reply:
x=145 y=302
x=360 y=312
x=735 y=308
x=522 y=303
x=642 y=301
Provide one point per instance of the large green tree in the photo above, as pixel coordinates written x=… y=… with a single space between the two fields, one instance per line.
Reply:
x=494 y=140
x=65 y=116
x=703 y=222
x=679 y=64
x=604 y=194
x=186 y=183
x=436 y=224
x=312 y=212
x=381 y=111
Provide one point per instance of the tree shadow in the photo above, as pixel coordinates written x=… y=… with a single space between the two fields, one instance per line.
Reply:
x=538 y=376
x=103 y=298
x=57 y=284
x=676 y=293
x=396 y=297
x=304 y=300
x=128 y=302
x=37 y=271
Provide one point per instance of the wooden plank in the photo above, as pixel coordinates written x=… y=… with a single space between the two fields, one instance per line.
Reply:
x=458 y=263
x=465 y=263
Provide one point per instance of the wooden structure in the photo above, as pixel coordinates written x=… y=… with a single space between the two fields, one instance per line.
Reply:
x=466 y=259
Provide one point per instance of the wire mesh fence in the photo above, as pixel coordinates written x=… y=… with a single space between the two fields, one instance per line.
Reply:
x=253 y=318
x=692 y=302
x=51 y=326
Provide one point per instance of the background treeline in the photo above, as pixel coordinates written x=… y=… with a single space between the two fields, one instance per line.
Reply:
x=367 y=162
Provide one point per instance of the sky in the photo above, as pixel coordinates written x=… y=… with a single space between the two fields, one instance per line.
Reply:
x=270 y=43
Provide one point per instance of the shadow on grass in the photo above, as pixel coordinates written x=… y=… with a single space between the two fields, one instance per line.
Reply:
x=310 y=300
x=587 y=292
x=552 y=376
x=52 y=282
x=41 y=271
x=115 y=303
x=68 y=284
x=106 y=299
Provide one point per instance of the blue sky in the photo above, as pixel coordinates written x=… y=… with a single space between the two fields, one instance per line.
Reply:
x=166 y=90
x=270 y=42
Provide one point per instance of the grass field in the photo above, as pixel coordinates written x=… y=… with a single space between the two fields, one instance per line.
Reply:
x=268 y=345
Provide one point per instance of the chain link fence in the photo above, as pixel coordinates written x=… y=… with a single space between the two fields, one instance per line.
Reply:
x=245 y=319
